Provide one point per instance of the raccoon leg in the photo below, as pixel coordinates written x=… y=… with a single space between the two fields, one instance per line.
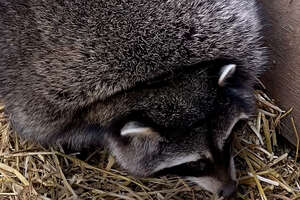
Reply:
x=70 y=136
x=78 y=138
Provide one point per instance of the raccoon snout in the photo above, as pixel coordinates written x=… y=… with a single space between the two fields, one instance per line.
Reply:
x=228 y=190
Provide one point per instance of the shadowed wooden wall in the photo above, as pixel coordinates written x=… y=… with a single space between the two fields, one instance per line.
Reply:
x=283 y=38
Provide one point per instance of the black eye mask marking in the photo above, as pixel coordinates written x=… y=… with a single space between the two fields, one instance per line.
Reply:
x=196 y=169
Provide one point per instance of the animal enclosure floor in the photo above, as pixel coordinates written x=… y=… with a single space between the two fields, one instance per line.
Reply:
x=266 y=167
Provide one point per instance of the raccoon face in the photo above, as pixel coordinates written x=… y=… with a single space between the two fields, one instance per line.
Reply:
x=200 y=153
x=201 y=156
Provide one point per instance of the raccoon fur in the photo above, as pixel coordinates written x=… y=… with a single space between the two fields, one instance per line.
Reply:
x=160 y=83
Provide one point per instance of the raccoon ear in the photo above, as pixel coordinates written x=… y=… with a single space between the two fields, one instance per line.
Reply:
x=225 y=135
x=226 y=72
x=134 y=128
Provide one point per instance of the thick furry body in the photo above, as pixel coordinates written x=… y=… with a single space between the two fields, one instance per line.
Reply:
x=76 y=72
x=57 y=57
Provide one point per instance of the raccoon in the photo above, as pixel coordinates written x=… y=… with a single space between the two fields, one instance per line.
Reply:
x=160 y=83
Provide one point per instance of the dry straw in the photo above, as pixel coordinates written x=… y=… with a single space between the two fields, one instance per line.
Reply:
x=267 y=168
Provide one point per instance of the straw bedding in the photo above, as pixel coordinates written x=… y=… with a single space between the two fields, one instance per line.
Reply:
x=267 y=167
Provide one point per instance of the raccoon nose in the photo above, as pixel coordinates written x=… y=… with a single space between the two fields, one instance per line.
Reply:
x=228 y=190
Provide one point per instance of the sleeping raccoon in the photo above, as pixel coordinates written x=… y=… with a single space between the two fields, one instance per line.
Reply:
x=160 y=83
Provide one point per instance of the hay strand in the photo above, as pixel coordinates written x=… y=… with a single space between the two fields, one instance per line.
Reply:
x=297 y=138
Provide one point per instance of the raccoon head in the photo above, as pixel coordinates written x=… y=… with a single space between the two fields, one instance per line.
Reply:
x=200 y=153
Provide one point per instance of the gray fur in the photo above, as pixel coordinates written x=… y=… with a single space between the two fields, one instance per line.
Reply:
x=72 y=71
